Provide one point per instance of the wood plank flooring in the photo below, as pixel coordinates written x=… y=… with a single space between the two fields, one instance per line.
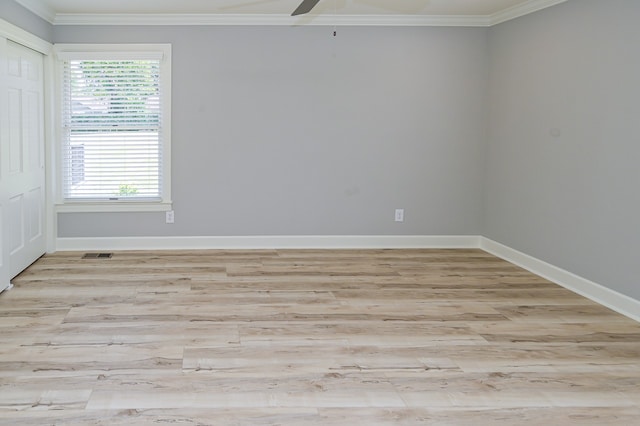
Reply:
x=309 y=337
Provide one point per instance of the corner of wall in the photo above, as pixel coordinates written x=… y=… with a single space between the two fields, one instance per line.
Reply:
x=618 y=302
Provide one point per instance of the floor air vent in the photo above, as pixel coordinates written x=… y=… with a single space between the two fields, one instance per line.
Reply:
x=97 y=255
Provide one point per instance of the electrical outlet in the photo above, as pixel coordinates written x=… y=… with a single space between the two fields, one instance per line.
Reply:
x=399 y=215
x=170 y=216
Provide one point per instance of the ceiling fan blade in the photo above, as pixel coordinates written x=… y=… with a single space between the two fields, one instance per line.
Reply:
x=305 y=7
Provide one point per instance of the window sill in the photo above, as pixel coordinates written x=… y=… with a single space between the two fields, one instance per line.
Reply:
x=111 y=207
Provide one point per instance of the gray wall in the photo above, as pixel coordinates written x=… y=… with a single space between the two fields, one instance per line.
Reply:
x=12 y=12
x=563 y=176
x=290 y=131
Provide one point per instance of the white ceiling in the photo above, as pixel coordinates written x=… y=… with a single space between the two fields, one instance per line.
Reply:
x=276 y=12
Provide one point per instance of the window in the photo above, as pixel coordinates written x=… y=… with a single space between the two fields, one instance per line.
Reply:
x=114 y=127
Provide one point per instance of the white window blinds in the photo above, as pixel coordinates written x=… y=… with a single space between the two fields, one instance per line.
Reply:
x=112 y=127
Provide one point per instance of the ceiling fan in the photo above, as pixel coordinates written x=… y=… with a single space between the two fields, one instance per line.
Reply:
x=411 y=7
x=407 y=7
x=305 y=7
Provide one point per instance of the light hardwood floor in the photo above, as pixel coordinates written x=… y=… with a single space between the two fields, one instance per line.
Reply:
x=309 y=337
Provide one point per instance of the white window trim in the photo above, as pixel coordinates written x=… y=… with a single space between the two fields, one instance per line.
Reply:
x=111 y=51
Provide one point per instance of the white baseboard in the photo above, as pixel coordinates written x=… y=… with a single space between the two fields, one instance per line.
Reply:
x=620 y=303
x=596 y=292
x=269 y=242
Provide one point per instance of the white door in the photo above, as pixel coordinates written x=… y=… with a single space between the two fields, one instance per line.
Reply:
x=22 y=176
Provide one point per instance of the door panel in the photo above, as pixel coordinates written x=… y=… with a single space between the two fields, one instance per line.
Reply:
x=14 y=106
x=22 y=178
x=16 y=219
x=35 y=214
x=32 y=136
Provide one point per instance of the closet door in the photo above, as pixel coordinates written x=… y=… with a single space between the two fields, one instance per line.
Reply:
x=22 y=174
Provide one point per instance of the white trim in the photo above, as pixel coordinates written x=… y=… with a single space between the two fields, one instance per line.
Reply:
x=269 y=242
x=521 y=10
x=25 y=38
x=54 y=18
x=620 y=303
x=270 y=20
x=111 y=207
x=98 y=54
x=159 y=51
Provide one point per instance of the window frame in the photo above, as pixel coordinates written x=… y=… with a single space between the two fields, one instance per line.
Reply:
x=105 y=52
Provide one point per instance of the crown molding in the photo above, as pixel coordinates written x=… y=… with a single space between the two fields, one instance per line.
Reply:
x=38 y=8
x=270 y=20
x=521 y=10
